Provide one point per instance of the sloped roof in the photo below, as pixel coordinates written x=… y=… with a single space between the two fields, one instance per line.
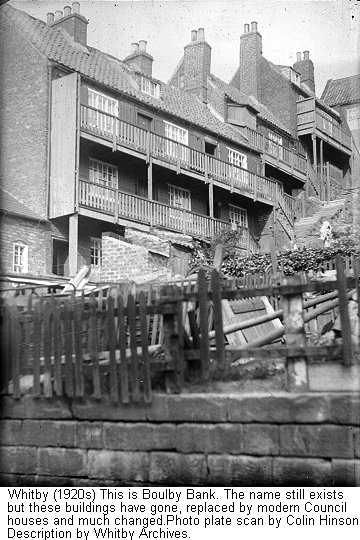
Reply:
x=249 y=101
x=59 y=47
x=341 y=91
x=10 y=204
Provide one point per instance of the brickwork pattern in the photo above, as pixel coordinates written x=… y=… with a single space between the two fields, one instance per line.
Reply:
x=194 y=439
x=24 y=118
x=197 y=61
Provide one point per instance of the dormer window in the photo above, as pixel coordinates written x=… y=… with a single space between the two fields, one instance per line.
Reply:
x=150 y=88
x=291 y=74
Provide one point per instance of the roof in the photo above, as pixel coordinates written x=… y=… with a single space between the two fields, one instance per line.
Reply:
x=249 y=101
x=58 y=46
x=342 y=91
x=10 y=204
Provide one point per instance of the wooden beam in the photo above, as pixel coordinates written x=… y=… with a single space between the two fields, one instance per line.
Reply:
x=150 y=180
x=73 y=244
x=211 y=198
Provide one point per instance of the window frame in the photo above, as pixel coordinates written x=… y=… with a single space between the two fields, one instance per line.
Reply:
x=146 y=86
x=103 y=96
x=174 y=188
x=95 y=246
x=243 y=223
x=22 y=266
x=114 y=182
x=236 y=153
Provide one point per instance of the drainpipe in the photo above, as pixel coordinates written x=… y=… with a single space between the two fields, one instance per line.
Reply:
x=49 y=78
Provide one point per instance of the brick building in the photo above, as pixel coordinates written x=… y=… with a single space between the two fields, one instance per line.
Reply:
x=305 y=144
x=125 y=171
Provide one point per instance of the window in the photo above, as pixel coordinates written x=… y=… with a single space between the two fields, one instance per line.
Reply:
x=274 y=143
x=327 y=123
x=240 y=160
x=236 y=114
x=95 y=252
x=20 y=257
x=238 y=216
x=150 y=87
x=103 y=173
x=353 y=118
x=179 y=197
x=178 y=134
x=104 y=104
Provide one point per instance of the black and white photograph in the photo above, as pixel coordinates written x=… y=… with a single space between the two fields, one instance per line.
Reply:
x=180 y=261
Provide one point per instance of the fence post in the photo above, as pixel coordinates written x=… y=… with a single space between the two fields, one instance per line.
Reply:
x=218 y=320
x=293 y=314
x=172 y=339
x=347 y=347
x=204 y=331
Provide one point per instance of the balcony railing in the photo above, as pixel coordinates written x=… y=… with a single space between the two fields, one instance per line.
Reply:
x=179 y=155
x=283 y=155
x=125 y=205
x=311 y=118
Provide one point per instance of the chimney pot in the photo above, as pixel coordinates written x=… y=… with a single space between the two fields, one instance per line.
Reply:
x=58 y=15
x=76 y=7
x=142 y=45
x=193 y=35
x=246 y=28
x=134 y=48
x=67 y=11
x=254 y=26
x=298 y=56
x=201 y=34
x=50 y=18
x=306 y=55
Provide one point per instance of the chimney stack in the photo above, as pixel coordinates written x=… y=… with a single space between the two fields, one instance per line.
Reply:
x=197 y=64
x=139 y=59
x=250 y=61
x=74 y=23
x=305 y=67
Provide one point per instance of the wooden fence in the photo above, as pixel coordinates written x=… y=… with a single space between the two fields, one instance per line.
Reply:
x=124 y=344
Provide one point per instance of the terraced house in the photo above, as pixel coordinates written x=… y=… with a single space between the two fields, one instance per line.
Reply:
x=124 y=171
x=305 y=144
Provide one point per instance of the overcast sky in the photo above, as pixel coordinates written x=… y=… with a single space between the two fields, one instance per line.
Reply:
x=329 y=29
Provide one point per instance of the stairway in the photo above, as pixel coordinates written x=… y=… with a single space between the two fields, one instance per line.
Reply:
x=307 y=228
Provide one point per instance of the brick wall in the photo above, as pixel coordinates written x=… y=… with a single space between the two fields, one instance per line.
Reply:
x=24 y=118
x=35 y=235
x=193 y=439
x=250 y=64
x=197 y=63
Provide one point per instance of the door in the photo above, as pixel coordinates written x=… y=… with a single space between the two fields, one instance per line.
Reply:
x=60 y=264
x=181 y=261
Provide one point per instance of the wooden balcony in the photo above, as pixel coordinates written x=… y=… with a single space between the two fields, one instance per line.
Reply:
x=175 y=155
x=278 y=155
x=131 y=208
x=311 y=119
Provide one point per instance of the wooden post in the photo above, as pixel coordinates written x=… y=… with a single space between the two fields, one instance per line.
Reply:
x=313 y=136
x=218 y=321
x=293 y=314
x=356 y=270
x=211 y=198
x=348 y=353
x=172 y=340
x=322 y=183
x=73 y=244
x=203 y=308
x=150 y=180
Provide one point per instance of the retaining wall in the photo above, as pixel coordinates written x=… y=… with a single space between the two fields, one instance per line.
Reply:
x=190 y=439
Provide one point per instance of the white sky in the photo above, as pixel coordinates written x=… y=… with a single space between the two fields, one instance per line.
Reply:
x=329 y=29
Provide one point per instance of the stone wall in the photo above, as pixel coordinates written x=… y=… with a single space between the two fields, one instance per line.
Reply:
x=190 y=439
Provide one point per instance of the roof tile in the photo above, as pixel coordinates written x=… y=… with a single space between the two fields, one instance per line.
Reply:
x=10 y=203
x=341 y=91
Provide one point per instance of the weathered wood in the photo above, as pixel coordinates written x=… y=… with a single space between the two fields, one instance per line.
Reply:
x=172 y=343
x=124 y=382
x=194 y=330
x=5 y=348
x=36 y=349
x=93 y=330
x=78 y=332
x=218 y=320
x=57 y=348
x=135 y=389
x=144 y=348
x=204 y=332
x=356 y=270
x=47 y=349
x=296 y=367
x=114 y=393
x=15 y=351
x=67 y=332
x=348 y=354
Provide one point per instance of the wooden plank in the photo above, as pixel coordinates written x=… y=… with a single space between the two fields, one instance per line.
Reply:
x=93 y=330
x=78 y=333
x=194 y=329
x=57 y=348
x=218 y=321
x=348 y=354
x=144 y=347
x=172 y=343
x=293 y=314
x=124 y=381
x=114 y=392
x=36 y=314
x=67 y=332
x=5 y=348
x=135 y=388
x=236 y=338
x=247 y=305
x=356 y=271
x=15 y=351
x=204 y=331
x=48 y=391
